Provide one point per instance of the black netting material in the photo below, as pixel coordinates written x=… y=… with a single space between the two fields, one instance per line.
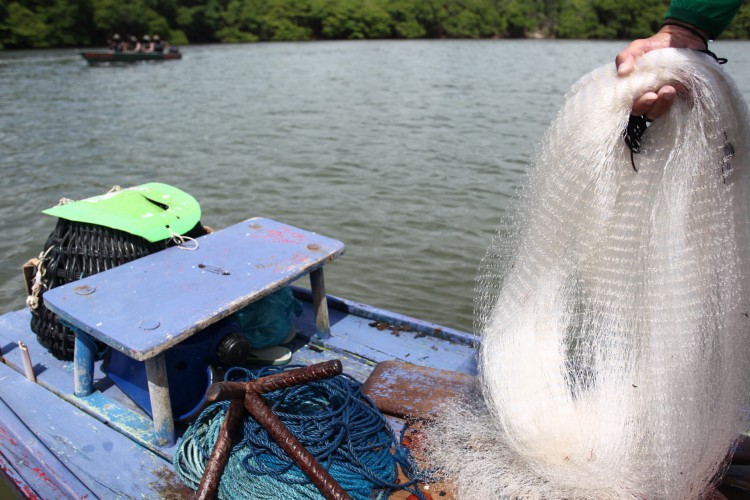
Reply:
x=80 y=250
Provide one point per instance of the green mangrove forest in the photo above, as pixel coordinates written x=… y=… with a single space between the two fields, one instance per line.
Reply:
x=85 y=23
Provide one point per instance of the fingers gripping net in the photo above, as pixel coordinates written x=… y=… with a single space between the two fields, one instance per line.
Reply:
x=614 y=305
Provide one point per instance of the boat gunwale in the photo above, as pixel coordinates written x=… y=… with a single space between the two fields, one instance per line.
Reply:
x=110 y=56
x=392 y=318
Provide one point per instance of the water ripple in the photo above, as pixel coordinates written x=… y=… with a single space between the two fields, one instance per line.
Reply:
x=407 y=151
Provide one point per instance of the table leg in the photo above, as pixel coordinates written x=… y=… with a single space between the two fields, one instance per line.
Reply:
x=84 y=355
x=161 y=407
x=320 y=304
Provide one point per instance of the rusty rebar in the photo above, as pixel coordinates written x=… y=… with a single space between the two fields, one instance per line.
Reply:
x=296 y=450
x=220 y=454
x=246 y=396
x=222 y=391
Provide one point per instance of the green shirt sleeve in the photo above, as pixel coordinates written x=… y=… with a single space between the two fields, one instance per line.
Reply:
x=712 y=16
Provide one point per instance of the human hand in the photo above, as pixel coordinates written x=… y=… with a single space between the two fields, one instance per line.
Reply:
x=654 y=104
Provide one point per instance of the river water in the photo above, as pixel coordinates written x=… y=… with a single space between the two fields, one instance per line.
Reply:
x=407 y=151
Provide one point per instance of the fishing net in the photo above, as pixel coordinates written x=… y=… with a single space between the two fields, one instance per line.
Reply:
x=73 y=251
x=614 y=304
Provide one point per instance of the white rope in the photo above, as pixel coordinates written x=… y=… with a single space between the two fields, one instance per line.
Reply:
x=66 y=201
x=36 y=283
x=182 y=241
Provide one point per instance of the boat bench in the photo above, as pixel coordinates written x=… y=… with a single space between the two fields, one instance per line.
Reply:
x=144 y=307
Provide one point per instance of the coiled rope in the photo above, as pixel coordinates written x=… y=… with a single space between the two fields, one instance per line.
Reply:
x=340 y=427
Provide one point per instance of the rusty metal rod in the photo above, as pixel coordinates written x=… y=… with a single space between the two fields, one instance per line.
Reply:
x=220 y=454
x=246 y=395
x=296 y=451
x=221 y=391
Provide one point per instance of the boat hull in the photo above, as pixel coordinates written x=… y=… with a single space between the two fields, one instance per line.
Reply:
x=56 y=445
x=109 y=56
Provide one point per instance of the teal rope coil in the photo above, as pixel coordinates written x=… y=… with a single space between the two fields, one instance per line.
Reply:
x=338 y=425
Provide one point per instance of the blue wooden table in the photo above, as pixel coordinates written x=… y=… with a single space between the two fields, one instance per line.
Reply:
x=147 y=306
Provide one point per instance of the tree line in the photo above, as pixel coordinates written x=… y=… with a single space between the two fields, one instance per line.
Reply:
x=84 y=23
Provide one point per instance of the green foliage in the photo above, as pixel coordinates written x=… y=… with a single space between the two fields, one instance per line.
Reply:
x=203 y=22
x=25 y=28
x=472 y=19
x=69 y=23
x=740 y=26
x=287 y=20
x=520 y=17
x=344 y=19
x=130 y=18
x=577 y=20
x=610 y=19
x=407 y=18
x=65 y=23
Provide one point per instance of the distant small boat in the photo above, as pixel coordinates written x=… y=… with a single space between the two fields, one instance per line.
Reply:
x=101 y=56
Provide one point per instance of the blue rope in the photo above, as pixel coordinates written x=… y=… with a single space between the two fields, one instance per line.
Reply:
x=338 y=425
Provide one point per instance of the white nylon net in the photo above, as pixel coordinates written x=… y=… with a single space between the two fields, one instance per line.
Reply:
x=616 y=337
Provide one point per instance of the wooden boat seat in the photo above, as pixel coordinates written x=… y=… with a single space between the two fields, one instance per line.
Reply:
x=149 y=305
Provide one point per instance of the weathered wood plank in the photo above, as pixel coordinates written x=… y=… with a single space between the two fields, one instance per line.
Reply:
x=161 y=407
x=378 y=335
x=36 y=468
x=411 y=391
x=106 y=462
x=15 y=480
x=382 y=341
x=52 y=373
x=145 y=307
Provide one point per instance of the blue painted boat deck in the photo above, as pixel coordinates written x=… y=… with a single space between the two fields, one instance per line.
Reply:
x=55 y=445
x=107 y=448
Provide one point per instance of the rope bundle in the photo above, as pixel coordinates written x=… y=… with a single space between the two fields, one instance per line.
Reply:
x=340 y=427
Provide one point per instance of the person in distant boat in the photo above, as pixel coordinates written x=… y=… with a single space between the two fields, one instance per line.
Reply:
x=688 y=24
x=115 y=43
x=146 y=44
x=158 y=44
x=133 y=44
